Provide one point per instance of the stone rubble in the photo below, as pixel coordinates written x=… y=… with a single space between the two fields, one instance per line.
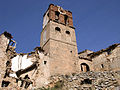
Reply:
x=107 y=80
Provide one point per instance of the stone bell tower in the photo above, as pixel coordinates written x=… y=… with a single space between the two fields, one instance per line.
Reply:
x=59 y=41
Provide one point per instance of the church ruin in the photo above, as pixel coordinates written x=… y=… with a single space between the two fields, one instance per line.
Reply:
x=57 y=54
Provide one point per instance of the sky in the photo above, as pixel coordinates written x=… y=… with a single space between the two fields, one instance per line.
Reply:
x=97 y=22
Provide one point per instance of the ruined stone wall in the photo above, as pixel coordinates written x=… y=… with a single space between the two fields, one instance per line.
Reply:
x=114 y=58
x=57 y=60
x=4 y=41
x=84 y=54
x=86 y=81
x=104 y=60
x=101 y=62
x=107 y=60
x=24 y=70
x=52 y=12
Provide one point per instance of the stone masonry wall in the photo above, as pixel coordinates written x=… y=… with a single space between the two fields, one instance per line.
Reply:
x=86 y=81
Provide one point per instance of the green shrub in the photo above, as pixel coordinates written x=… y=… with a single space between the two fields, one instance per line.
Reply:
x=58 y=86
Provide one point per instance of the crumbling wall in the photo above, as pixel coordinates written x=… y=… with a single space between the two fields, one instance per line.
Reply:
x=101 y=62
x=58 y=14
x=5 y=39
x=85 y=81
x=33 y=70
x=107 y=59
x=114 y=59
x=104 y=60
x=24 y=70
x=43 y=72
x=84 y=54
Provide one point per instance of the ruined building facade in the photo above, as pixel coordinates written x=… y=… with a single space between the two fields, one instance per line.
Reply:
x=57 y=54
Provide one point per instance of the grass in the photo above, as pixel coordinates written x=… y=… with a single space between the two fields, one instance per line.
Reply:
x=58 y=86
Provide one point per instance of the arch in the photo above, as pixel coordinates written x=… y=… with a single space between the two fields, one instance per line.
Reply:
x=66 y=19
x=57 y=15
x=84 y=67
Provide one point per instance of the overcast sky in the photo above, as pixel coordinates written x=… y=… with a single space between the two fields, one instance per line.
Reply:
x=97 y=22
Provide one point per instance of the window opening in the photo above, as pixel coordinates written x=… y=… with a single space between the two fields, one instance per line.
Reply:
x=66 y=19
x=84 y=67
x=45 y=62
x=67 y=32
x=86 y=81
x=25 y=83
x=57 y=15
x=5 y=83
x=102 y=66
x=57 y=29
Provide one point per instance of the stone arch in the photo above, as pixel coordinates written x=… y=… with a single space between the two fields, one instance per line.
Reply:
x=84 y=67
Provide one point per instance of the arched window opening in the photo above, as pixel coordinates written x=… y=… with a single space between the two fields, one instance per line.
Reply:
x=102 y=66
x=84 y=67
x=66 y=19
x=57 y=29
x=57 y=15
x=67 y=32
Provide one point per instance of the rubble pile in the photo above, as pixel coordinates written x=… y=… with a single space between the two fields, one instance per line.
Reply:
x=107 y=80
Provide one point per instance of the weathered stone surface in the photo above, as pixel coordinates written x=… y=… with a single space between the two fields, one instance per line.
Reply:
x=56 y=64
x=107 y=80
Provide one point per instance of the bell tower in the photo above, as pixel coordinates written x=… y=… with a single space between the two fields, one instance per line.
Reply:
x=59 y=41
